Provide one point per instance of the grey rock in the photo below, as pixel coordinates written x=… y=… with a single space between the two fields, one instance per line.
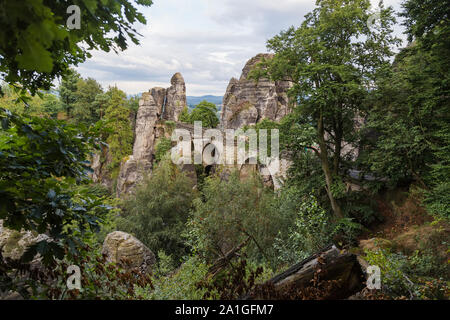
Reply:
x=145 y=127
x=175 y=98
x=159 y=96
x=14 y=243
x=246 y=102
x=132 y=172
x=154 y=105
x=122 y=248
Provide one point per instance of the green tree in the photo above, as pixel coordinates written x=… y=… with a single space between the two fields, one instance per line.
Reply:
x=309 y=228
x=85 y=106
x=432 y=34
x=67 y=90
x=410 y=108
x=158 y=211
x=44 y=105
x=36 y=46
x=402 y=119
x=51 y=105
x=206 y=112
x=41 y=160
x=228 y=213
x=332 y=59
x=185 y=116
x=100 y=104
x=427 y=20
x=117 y=117
x=133 y=105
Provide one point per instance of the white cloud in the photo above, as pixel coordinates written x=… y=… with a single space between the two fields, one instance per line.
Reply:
x=208 y=41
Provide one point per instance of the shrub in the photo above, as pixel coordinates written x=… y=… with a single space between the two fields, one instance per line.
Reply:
x=182 y=285
x=232 y=283
x=158 y=211
x=99 y=279
x=392 y=266
x=230 y=212
x=206 y=112
x=309 y=231
x=162 y=147
x=403 y=276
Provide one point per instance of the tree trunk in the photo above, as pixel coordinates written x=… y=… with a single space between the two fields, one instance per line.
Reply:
x=328 y=265
x=326 y=168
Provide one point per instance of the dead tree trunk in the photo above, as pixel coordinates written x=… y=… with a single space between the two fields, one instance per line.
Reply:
x=339 y=273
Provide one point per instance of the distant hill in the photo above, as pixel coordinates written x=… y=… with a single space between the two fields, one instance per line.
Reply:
x=193 y=101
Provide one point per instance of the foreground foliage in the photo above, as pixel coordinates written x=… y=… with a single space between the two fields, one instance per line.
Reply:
x=41 y=159
x=36 y=46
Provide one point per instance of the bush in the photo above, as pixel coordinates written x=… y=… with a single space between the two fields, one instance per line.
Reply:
x=180 y=286
x=427 y=263
x=205 y=111
x=234 y=281
x=392 y=267
x=403 y=276
x=309 y=230
x=162 y=147
x=99 y=279
x=230 y=212
x=307 y=227
x=158 y=211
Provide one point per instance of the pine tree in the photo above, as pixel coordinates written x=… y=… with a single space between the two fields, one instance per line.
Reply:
x=117 y=116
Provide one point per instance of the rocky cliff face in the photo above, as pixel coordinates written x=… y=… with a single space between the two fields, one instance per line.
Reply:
x=175 y=98
x=246 y=102
x=156 y=104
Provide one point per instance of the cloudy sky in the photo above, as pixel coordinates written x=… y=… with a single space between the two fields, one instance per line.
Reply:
x=208 y=41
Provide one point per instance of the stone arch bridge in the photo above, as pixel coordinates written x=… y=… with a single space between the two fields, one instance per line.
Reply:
x=212 y=157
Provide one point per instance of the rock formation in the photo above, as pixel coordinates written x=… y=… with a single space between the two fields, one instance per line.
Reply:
x=246 y=101
x=154 y=105
x=14 y=243
x=121 y=247
x=175 y=98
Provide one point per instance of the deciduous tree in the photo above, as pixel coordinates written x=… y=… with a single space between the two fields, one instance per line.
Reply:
x=332 y=59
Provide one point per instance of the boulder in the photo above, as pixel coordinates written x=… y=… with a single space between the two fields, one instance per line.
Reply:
x=122 y=248
x=14 y=243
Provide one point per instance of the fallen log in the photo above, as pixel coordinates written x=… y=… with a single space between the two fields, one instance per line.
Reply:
x=222 y=262
x=329 y=274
